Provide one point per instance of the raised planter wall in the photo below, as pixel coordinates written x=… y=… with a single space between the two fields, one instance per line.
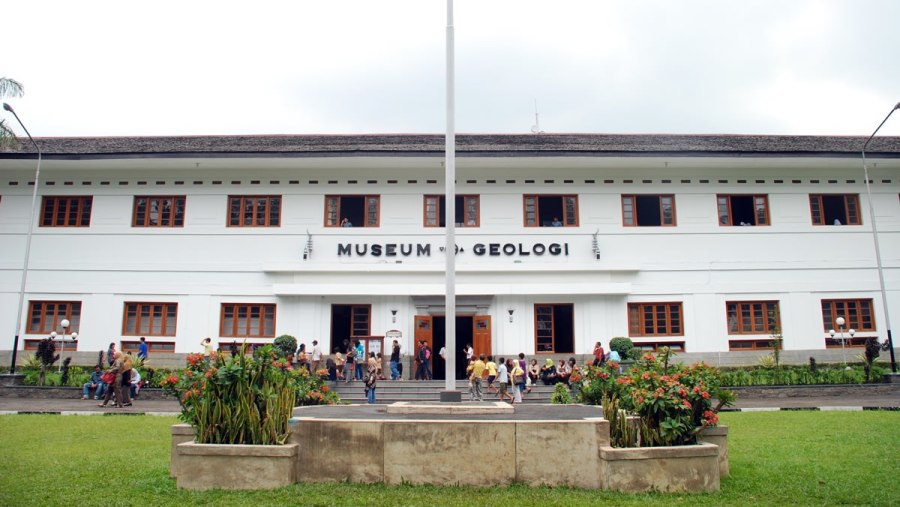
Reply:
x=210 y=466
x=181 y=433
x=692 y=468
x=718 y=435
x=450 y=452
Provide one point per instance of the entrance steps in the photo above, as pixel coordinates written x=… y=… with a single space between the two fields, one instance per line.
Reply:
x=390 y=391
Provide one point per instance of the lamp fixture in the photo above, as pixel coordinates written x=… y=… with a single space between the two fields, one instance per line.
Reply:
x=393 y=315
x=510 y=312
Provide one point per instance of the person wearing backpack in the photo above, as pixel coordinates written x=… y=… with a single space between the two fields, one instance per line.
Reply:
x=360 y=359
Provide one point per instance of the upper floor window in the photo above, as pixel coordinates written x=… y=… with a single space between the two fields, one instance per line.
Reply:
x=753 y=317
x=45 y=316
x=150 y=319
x=834 y=209
x=66 y=211
x=254 y=210
x=857 y=314
x=158 y=211
x=352 y=210
x=551 y=210
x=240 y=319
x=467 y=211
x=654 y=319
x=647 y=210
x=743 y=209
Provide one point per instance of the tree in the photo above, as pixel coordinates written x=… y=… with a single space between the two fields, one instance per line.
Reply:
x=9 y=88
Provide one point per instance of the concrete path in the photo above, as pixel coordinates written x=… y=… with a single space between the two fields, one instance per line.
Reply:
x=170 y=407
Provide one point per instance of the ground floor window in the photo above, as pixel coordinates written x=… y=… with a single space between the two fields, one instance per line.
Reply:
x=554 y=328
x=150 y=319
x=69 y=345
x=857 y=314
x=45 y=316
x=838 y=343
x=654 y=319
x=132 y=347
x=655 y=346
x=242 y=319
x=750 y=345
x=753 y=317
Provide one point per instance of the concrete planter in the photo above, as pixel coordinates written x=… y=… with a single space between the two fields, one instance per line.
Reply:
x=210 y=466
x=688 y=468
x=181 y=433
x=718 y=435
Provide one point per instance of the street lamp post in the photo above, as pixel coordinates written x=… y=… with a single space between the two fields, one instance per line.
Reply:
x=64 y=324
x=20 y=309
x=884 y=303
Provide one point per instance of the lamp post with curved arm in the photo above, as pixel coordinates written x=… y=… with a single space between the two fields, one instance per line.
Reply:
x=37 y=174
x=887 y=313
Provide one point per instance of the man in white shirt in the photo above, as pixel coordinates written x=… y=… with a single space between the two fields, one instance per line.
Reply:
x=316 y=357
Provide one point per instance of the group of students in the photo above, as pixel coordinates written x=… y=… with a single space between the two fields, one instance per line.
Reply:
x=120 y=380
x=507 y=378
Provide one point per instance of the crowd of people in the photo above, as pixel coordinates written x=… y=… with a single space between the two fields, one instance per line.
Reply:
x=120 y=382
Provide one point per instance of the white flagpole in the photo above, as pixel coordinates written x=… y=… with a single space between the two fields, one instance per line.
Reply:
x=450 y=219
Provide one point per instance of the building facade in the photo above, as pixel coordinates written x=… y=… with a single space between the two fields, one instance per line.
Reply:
x=707 y=244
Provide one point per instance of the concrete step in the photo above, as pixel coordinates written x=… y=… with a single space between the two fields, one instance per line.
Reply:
x=392 y=391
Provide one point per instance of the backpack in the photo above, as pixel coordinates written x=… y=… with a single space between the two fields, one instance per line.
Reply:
x=427 y=353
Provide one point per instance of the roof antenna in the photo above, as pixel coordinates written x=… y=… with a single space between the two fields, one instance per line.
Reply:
x=536 y=128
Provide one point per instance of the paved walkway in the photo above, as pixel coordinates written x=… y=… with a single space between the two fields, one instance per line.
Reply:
x=170 y=407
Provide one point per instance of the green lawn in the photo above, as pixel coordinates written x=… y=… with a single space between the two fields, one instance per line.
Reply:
x=777 y=458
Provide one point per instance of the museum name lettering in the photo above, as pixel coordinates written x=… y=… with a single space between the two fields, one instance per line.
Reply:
x=424 y=249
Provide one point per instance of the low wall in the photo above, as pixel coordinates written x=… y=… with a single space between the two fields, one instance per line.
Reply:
x=690 y=468
x=474 y=453
x=46 y=393
x=847 y=391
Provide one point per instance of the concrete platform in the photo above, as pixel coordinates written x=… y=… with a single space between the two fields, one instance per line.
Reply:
x=453 y=408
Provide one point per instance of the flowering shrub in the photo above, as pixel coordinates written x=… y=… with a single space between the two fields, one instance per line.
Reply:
x=241 y=399
x=672 y=402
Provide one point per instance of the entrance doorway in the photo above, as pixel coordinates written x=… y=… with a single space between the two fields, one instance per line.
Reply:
x=474 y=329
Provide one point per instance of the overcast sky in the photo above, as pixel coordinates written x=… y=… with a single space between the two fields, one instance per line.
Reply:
x=115 y=68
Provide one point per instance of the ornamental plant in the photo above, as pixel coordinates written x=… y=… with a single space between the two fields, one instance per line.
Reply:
x=236 y=400
x=656 y=403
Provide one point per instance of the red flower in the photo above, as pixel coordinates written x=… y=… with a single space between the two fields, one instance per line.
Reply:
x=325 y=389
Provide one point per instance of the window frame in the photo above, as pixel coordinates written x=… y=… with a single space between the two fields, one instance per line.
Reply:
x=816 y=207
x=248 y=307
x=758 y=344
x=856 y=322
x=436 y=199
x=338 y=216
x=81 y=213
x=241 y=204
x=175 y=220
x=552 y=330
x=675 y=346
x=729 y=214
x=639 y=307
x=73 y=316
x=569 y=218
x=156 y=347
x=139 y=317
x=633 y=220
x=769 y=328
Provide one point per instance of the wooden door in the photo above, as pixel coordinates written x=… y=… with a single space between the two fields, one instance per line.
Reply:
x=424 y=332
x=481 y=335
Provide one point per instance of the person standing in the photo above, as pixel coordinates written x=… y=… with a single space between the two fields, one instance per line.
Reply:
x=349 y=361
x=316 y=357
x=517 y=380
x=206 y=343
x=371 y=378
x=395 y=361
x=360 y=359
x=142 y=349
x=503 y=380
x=428 y=374
x=477 y=372
x=111 y=354
x=115 y=389
x=420 y=362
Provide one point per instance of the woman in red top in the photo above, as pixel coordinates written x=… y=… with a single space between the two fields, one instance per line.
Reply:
x=599 y=354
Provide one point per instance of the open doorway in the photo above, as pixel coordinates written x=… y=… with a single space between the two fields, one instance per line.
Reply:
x=463 y=336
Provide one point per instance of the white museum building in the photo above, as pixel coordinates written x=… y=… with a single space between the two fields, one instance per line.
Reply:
x=707 y=244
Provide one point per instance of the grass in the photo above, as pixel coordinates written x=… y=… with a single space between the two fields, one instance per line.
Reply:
x=777 y=458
